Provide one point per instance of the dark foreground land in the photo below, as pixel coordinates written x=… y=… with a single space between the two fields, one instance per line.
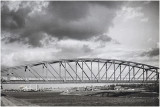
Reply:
x=55 y=99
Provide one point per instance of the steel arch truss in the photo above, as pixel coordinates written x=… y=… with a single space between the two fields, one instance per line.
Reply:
x=82 y=70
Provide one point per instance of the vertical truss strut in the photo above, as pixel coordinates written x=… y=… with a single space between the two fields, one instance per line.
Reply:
x=129 y=72
x=76 y=71
x=115 y=71
x=143 y=72
x=91 y=70
x=65 y=70
x=133 y=74
x=106 y=71
x=82 y=70
x=59 y=70
x=146 y=74
x=98 y=71
x=120 y=72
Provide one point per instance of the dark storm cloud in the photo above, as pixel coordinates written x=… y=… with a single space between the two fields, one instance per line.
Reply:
x=76 y=20
x=79 y=20
x=12 y=20
x=34 y=39
x=12 y=39
x=151 y=53
x=109 y=4
x=69 y=11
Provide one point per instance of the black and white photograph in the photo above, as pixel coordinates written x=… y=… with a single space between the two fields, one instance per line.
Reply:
x=79 y=53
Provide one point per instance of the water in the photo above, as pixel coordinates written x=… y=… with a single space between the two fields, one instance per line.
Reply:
x=42 y=86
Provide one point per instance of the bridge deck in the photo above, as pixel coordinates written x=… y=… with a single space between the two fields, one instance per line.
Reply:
x=75 y=81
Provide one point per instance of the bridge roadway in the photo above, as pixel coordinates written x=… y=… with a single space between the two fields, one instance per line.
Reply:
x=75 y=81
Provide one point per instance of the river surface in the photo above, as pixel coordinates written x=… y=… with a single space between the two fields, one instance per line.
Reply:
x=42 y=86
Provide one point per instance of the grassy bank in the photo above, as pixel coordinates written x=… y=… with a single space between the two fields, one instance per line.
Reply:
x=55 y=99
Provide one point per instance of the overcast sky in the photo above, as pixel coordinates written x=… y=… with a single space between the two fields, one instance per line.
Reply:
x=42 y=31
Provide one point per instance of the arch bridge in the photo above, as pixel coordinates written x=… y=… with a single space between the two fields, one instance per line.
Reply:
x=82 y=70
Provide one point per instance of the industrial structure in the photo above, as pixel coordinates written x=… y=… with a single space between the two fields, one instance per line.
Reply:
x=82 y=70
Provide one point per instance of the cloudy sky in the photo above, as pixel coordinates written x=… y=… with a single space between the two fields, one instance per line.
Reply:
x=42 y=31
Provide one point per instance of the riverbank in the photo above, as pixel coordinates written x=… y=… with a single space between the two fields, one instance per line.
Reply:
x=11 y=101
x=55 y=99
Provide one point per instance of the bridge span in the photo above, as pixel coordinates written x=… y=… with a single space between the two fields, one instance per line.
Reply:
x=82 y=70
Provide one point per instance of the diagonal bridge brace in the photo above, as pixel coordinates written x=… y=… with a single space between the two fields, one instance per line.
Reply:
x=55 y=71
x=114 y=71
x=67 y=70
x=30 y=71
x=49 y=70
x=135 y=73
x=83 y=70
x=100 y=69
x=90 y=70
x=73 y=70
x=106 y=70
x=37 y=73
x=128 y=73
x=17 y=75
